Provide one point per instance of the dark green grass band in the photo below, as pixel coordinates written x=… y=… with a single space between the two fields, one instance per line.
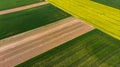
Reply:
x=14 y=23
x=112 y=3
x=93 y=49
x=9 y=4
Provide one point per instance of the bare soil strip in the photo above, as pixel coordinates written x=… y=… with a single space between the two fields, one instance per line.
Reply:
x=19 y=48
x=22 y=8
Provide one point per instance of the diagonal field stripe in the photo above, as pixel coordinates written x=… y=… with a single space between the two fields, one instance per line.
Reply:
x=22 y=8
x=104 y=18
x=22 y=47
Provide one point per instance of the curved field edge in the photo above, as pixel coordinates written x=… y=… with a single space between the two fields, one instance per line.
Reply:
x=16 y=3
x=25 y=20
x=94 y=48
x=104 y=18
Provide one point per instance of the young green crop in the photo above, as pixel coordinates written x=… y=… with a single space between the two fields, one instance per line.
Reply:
x=93 y=49
x=9 y=4
x=18 y=22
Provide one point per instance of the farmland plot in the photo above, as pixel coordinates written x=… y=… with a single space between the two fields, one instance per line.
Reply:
x=93 y=49
x=101 y=16
x=18 y=22
x=112 y=3
x=8 y=4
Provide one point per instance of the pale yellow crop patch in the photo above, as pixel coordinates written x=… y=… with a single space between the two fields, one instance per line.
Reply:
x=104 y=18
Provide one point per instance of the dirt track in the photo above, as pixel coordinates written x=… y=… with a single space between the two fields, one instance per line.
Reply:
x=20 y=48
x=21 y=8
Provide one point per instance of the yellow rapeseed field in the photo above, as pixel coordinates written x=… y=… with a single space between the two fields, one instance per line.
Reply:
x=102 y=17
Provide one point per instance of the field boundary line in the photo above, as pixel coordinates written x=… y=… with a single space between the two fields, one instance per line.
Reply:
x=22 y=8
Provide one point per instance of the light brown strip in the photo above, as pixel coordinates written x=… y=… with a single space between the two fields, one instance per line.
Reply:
x=35 y=42
x=21 y=8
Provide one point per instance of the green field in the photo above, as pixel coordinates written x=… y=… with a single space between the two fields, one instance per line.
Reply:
x=112 y=3
x=101 y=16
x=89 y=50
x=8 y=4
x=18 y=22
